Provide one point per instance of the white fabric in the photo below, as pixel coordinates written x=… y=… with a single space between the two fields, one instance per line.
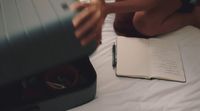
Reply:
x=128 y=94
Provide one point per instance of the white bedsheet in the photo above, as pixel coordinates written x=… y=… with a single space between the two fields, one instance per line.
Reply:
x=128 y=94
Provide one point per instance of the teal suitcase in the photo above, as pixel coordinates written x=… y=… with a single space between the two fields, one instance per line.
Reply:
x=36 y=35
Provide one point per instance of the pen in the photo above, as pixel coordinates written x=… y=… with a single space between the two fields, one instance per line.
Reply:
x=114 y=62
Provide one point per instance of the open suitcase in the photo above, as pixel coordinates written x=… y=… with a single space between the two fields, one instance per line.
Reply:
x=57 y=89
x=36 y=37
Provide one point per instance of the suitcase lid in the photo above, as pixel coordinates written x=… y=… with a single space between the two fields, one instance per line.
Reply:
x=36 y=35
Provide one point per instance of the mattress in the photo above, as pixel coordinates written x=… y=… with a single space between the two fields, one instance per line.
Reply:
x=128 y=94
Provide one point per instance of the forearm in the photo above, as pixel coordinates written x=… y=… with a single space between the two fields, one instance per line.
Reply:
x=198 y=2
x=129 y=6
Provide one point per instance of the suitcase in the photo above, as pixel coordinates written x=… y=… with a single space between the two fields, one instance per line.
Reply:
x=42 y=92
x=36 y=35
x=43 y=67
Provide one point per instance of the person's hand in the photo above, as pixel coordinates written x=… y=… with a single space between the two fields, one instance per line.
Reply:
x=88 y=22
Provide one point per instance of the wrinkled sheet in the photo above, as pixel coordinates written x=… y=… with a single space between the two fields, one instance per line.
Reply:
x=128 y=94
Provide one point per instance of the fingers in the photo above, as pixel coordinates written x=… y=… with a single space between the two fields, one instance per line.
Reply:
x=82 y=16
x=78 y=6
x=87 y=25
x=97 y=36
x=93 y=35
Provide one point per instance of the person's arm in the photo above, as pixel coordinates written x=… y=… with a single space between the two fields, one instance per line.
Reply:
x=130 y=6
x=198 y=2
x=88 y=23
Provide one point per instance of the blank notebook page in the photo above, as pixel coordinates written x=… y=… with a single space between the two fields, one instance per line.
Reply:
x=132 y=57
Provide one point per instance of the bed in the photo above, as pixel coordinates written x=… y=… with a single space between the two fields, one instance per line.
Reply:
x=128 y=94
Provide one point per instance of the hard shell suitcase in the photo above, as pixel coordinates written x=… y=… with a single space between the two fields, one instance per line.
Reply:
x=36 y=35
x=44 y=92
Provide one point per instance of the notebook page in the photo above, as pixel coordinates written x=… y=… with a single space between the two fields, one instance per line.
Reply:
x=132 y=58
x=165 y=60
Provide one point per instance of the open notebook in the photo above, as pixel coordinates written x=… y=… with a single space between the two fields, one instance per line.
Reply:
x=149 y=58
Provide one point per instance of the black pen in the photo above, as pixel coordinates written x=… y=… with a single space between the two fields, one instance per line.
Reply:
x=114 y=61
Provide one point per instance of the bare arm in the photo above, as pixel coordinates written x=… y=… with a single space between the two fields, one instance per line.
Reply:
x=198 y=2
x=88 y=23
x=130 y=6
